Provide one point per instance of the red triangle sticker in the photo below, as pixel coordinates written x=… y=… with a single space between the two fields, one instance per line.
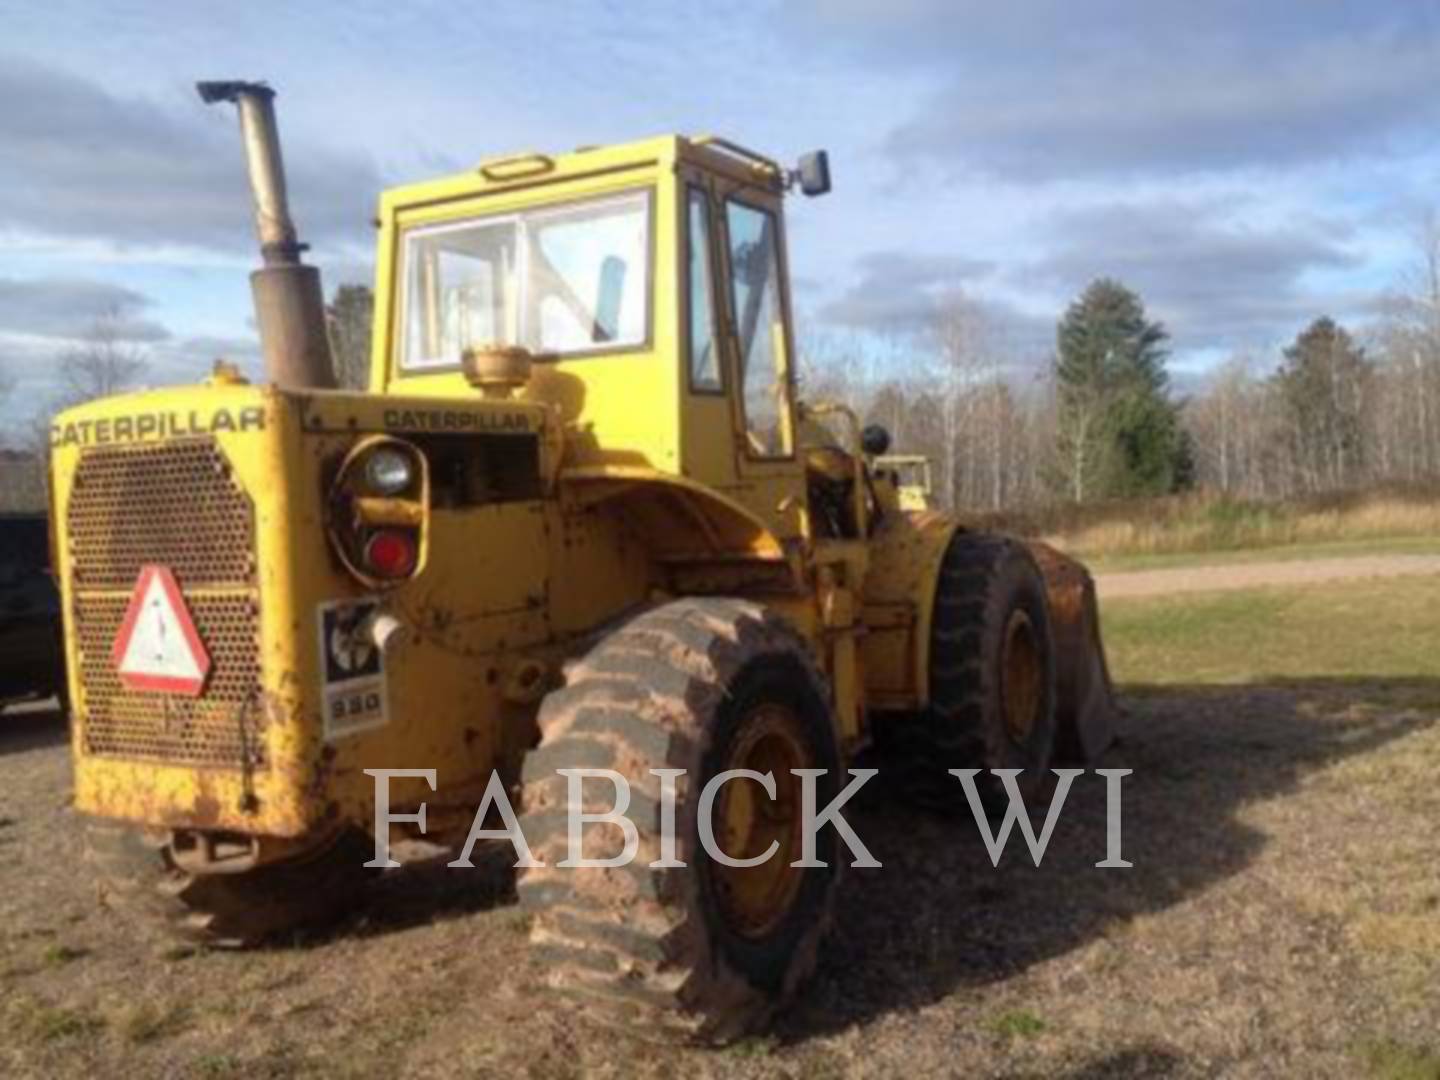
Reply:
x=158 y=647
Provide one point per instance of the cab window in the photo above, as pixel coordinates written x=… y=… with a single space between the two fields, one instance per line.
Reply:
x=704 y=343
x=561 y=280
x=760 y=327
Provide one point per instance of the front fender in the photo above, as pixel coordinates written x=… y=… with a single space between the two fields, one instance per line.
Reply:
x=905 y=556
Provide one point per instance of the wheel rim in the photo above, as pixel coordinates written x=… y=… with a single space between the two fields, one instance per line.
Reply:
x=753 y=900
x=1021 y=676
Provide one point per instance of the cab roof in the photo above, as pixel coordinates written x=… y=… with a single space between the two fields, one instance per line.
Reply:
x=531 y=168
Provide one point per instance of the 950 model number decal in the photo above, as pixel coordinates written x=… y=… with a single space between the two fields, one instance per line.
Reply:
x=352 y=669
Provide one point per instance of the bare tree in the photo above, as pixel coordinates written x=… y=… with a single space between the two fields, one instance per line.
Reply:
x=1221 y=422
x=22 y=482
x=1410 y=341
x=834 y=367
x=968 y=363
x=1081 y=452
x=348 y=318
x=7 y=384
x=102 y=362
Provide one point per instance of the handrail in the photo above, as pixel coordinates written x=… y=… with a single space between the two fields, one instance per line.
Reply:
x=516 y=166
x=764 y=163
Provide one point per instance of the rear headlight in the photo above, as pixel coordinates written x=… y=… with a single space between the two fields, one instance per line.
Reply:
x=389 y=470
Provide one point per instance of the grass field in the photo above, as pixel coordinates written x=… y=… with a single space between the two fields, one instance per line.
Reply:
x=1367 y=631
x=1282 y=917
x=1362 y=655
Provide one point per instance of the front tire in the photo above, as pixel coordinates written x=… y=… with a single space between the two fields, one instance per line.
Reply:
x=992 y=678
x=700 y=951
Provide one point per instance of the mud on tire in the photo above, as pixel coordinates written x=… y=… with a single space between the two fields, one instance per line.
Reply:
x=139 y=879
x=992 y=679
x=697 y=951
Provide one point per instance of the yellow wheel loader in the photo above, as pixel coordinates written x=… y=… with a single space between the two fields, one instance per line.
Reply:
x=577 y=521
x=910 y=473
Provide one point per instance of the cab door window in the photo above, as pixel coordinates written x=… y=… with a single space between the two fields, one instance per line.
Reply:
x=759 y=328
x=704 y=342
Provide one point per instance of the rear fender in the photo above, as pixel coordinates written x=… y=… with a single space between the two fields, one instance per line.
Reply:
x=678 y=519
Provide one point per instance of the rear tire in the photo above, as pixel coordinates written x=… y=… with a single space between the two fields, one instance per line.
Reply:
x=139 y=878
x=699 y=951
x=992 y=679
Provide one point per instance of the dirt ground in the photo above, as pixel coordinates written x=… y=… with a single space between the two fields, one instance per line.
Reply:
x=1188 y=579
x=1282 y=918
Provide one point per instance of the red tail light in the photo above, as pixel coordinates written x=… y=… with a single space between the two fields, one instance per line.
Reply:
x=391 y=554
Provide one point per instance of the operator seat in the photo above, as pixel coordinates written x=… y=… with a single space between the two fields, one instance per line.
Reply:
x=829 y=482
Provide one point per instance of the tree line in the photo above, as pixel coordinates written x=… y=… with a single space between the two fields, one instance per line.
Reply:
x=1099 y=422
x=1334 y=410
x=1338 y=412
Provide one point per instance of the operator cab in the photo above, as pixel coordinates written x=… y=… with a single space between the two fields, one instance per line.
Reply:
x=649 y=284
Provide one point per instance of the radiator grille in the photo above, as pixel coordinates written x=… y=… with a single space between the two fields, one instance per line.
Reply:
x=175 y=504
x=179 y=506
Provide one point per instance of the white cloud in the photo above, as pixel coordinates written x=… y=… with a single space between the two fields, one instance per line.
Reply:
x=91 y=165
x=66 y=307
x=1052 y=89
x=1217 y=281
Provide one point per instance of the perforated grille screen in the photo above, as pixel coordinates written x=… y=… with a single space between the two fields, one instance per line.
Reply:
x=176 y=505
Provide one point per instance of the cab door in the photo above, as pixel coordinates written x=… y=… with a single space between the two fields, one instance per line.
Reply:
x=759 y=353
x=707 y=420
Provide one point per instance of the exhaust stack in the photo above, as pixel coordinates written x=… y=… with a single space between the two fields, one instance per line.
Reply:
x=289 y=301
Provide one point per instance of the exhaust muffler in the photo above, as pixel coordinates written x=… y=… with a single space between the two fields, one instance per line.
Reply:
x=289 y=300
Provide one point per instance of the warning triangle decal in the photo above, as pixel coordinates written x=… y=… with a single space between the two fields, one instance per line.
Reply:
x=158 y=647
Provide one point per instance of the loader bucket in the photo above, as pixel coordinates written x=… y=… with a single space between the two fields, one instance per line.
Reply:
x=1085 y=710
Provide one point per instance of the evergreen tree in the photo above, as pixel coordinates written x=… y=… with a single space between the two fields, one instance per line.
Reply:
x=1325 y=385
x=1119 y=432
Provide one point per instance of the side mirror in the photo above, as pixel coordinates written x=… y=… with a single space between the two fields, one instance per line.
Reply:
x=874 y=440
x=812 y=173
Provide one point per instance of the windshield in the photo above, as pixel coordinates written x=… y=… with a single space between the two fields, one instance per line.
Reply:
x=560 y=280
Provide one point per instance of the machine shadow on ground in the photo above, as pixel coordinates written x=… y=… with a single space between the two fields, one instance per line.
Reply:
x=938 y=917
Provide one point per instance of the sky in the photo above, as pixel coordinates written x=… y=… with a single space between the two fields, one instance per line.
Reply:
x=1244 y=165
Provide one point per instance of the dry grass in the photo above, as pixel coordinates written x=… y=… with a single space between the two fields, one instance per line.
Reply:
x=1390 y=1060
x=1210 y=523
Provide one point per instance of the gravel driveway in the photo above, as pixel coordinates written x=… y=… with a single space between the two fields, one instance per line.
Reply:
x=1188 y=579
